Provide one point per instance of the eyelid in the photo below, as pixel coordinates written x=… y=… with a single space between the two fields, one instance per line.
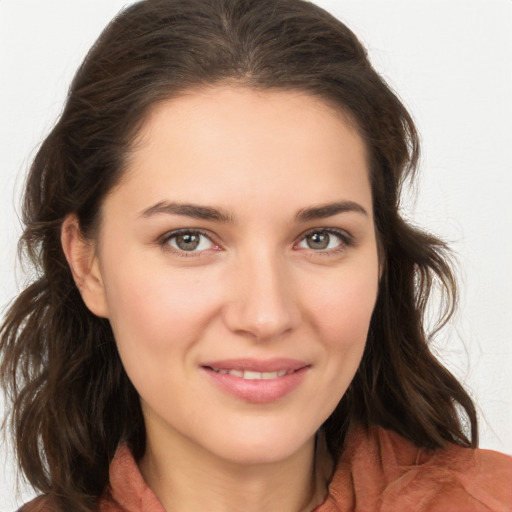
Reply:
x=346 y=238
x=163 y=241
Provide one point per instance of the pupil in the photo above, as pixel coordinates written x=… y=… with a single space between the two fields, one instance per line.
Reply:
x=318 y=240
x=187 y=242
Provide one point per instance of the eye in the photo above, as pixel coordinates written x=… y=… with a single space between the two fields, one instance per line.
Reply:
x=188 y=241
x=324 y=240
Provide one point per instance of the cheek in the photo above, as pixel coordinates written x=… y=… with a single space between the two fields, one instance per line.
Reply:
x=156 y=309
x=341 y=314
x=342 y=308
x=158 y=317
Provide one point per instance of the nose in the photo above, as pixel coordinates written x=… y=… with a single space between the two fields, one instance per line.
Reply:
x=262 y=303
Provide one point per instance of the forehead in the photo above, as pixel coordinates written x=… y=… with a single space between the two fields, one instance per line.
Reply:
x=212 y=145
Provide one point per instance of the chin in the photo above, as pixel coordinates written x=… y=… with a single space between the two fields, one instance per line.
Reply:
x=264 y=446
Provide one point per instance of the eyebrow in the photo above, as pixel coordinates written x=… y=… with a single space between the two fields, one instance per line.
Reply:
x=188 y=210
x=215 y=214
x=328 y=210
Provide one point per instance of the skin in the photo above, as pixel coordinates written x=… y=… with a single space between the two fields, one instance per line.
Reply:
x=255 y=287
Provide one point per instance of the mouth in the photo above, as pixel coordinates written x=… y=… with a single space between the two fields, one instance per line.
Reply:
x=257 y=381
x=250 y=374
x=256 y=369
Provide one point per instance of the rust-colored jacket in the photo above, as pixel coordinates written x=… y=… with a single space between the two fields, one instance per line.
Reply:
x=379 y=471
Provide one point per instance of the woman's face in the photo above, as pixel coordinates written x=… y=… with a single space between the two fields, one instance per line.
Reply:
x=238 y=263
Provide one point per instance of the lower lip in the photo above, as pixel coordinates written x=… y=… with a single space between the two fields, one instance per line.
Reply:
x=258 y=391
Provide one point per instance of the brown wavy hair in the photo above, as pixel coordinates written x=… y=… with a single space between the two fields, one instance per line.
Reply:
x=72 y=400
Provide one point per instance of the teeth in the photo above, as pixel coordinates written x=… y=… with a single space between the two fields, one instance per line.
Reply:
x=250 y=375
x=259 y=375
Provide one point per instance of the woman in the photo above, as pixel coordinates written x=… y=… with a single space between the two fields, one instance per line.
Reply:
x=228 y=314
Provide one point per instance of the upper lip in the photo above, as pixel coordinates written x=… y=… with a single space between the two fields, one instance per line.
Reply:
x=257 y=365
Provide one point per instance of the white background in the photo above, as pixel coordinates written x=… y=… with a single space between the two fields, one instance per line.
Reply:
x=450 y=61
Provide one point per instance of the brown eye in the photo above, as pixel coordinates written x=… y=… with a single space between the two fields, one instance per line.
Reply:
x=189 y=241
x=324 y=240
x=318 y=241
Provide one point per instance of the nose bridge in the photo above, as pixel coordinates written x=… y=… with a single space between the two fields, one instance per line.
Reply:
x=262 y=303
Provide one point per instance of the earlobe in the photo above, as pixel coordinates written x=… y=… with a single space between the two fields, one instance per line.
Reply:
x=84 y=265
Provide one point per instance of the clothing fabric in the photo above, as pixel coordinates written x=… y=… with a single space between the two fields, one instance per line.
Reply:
x=379 y=471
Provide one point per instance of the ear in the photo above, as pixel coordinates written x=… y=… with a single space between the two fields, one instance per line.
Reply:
x=83 y=261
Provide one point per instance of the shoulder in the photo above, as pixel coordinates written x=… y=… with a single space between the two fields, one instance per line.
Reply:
x=127 y=490
x=39 y=504
x=381 y=471
x=46 y=504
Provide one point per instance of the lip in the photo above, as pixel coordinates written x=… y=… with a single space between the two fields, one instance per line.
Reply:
x=257 y=391
x=257 y=365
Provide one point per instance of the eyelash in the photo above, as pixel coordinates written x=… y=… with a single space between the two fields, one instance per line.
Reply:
x=165 y=239
x=346 y=241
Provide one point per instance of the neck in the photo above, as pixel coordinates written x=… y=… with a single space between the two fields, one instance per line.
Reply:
x=186 y=477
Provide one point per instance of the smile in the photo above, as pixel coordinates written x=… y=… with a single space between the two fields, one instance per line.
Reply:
x=257 y=381
x=252 y=375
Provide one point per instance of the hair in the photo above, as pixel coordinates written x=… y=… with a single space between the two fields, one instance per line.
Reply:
x=72 y=400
